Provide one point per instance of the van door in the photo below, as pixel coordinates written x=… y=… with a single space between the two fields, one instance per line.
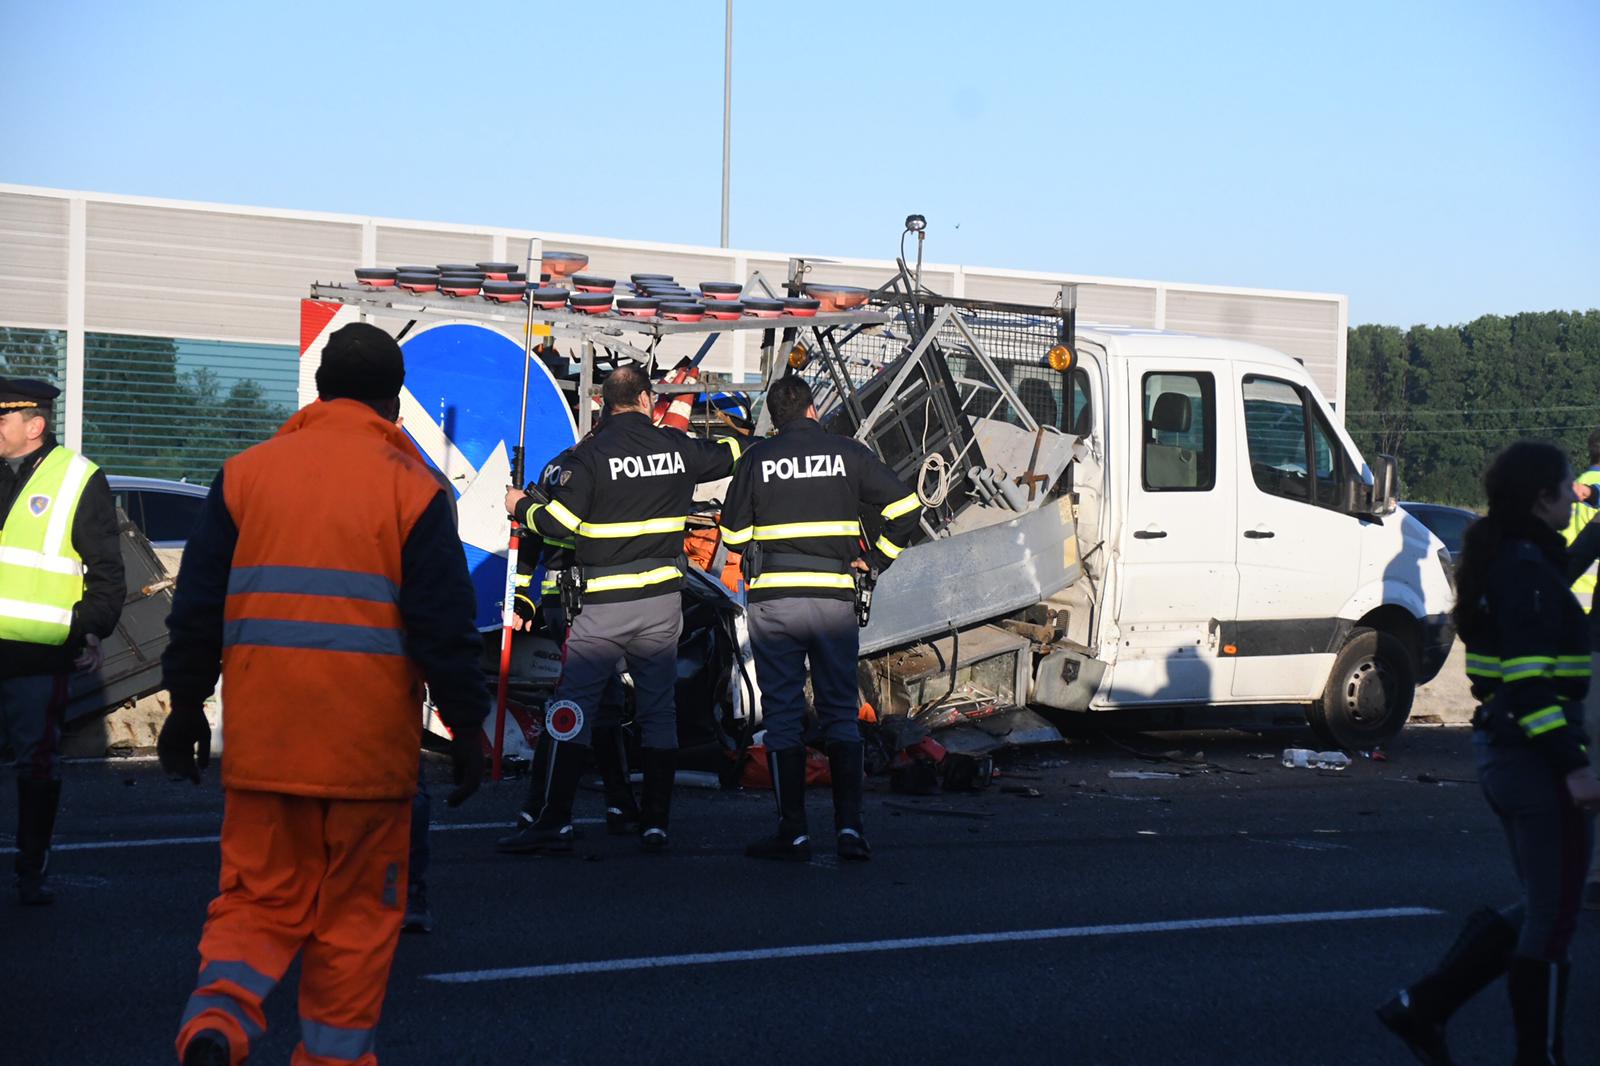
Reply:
x=1299 y=554
x=1177 y=576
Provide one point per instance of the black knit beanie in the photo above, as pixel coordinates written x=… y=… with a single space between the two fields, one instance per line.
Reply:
x=361 y=362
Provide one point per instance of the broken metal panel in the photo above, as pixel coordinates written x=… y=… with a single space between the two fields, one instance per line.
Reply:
x=131 y=656
x=962 y=580
x=1067 y=679
x=1011 y=727
x=913 y=413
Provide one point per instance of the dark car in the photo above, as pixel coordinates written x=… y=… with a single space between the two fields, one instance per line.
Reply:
x=165 y=511
x=1447 y=523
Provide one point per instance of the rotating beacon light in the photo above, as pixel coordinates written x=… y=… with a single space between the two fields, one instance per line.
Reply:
x=1062 y=356
x=918 y=225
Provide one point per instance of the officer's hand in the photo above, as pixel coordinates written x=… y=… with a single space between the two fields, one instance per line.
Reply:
x=466 y=754
x=514 y=497
x=89 y=659
x=859 y=564
x=522 y=614
x=184 y=746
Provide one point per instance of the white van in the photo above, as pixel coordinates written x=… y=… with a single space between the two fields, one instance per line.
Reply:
x=1237 y=548
x=1216 y=541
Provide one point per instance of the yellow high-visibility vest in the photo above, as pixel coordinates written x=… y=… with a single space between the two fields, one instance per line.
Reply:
x=1582 y=514
x=41 y=573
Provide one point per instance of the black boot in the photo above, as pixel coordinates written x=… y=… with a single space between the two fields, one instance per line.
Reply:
x=1481 y=953
x=846 y=767
x=1534 y=995
x=208 y=1048
x=611 y=758
x=552 y=829
x=538 y=775
x=1563 y=975
x=36 y=822
x=790 y=842
x=418 y=917
x=660 y=768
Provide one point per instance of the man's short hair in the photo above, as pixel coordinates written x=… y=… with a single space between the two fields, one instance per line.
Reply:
x=623 y=386
x=1594 y=448
x=788 y=399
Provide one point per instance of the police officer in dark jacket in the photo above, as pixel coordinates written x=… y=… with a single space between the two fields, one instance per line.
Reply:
x=798 y=505
x=541 y=607
x=624 y=495
x=1527 y=644
x=61 y=592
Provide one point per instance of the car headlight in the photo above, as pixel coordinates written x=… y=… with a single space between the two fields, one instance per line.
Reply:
x=1448 y=566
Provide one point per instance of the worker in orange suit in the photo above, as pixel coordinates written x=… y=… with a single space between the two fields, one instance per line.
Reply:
x=325 y=583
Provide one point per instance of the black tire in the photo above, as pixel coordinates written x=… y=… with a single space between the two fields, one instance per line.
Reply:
x=1369 y=693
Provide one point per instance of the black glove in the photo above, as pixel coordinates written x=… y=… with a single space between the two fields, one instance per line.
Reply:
x=184 y=746
x=466 y=754
x=524 y=608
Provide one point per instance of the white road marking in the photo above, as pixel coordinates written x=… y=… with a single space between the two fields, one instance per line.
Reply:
x=862 y=947
x=162 y=842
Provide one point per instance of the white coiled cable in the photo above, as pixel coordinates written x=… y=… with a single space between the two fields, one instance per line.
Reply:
x=940 y=468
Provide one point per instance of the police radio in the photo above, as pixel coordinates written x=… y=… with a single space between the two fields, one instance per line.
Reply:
x=864 y=580
x=570 y=587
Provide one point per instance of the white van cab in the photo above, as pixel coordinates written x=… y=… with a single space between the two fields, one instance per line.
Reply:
x=1238 y=549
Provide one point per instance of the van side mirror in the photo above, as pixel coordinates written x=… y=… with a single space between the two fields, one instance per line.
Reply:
x=1377 y=499
x=1383 y=499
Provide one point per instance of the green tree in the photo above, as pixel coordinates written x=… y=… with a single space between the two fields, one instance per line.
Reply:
x=1444 y=399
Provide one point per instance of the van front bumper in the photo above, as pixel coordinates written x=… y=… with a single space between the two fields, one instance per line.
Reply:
x=1438 y=634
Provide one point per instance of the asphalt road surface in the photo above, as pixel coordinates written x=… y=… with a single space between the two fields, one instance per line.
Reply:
x=1240 y=913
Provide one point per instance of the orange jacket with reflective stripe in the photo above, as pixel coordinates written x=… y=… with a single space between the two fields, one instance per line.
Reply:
x=319 y=698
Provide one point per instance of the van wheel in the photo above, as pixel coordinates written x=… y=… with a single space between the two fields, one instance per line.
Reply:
x=1369 y=693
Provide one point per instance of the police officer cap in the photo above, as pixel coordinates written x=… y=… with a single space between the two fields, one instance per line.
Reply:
x=361 y=362
x=21 y=394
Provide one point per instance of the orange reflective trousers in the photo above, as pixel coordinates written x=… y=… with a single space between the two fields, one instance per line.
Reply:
x=324 y=875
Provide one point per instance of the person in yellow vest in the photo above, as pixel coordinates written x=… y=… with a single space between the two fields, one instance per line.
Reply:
x=1581 y=567
x=1587 y=487
x=61 y=592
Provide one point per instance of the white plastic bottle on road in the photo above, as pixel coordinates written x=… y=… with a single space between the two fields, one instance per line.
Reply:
x=1305 y=758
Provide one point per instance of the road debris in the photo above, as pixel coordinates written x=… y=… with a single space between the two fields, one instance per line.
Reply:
x=944 y=812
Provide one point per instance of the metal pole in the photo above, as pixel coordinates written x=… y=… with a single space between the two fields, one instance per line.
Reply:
x=585 y=390
x=727 y=115
x=508 y=611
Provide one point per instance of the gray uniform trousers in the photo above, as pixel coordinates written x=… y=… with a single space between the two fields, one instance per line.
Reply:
x=642 y=633
x=613 y=702
x=1550 y=840
x=785 y=634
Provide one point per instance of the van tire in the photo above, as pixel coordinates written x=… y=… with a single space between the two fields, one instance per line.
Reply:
x=1369 y=693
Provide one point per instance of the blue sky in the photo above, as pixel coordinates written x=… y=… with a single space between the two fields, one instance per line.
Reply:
x=1435 y=161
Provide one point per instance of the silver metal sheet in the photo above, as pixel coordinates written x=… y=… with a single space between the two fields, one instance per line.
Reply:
x=979 y=575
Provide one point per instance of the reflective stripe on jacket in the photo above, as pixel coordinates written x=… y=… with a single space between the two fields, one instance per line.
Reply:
x=320 y=696
x=41 y=573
